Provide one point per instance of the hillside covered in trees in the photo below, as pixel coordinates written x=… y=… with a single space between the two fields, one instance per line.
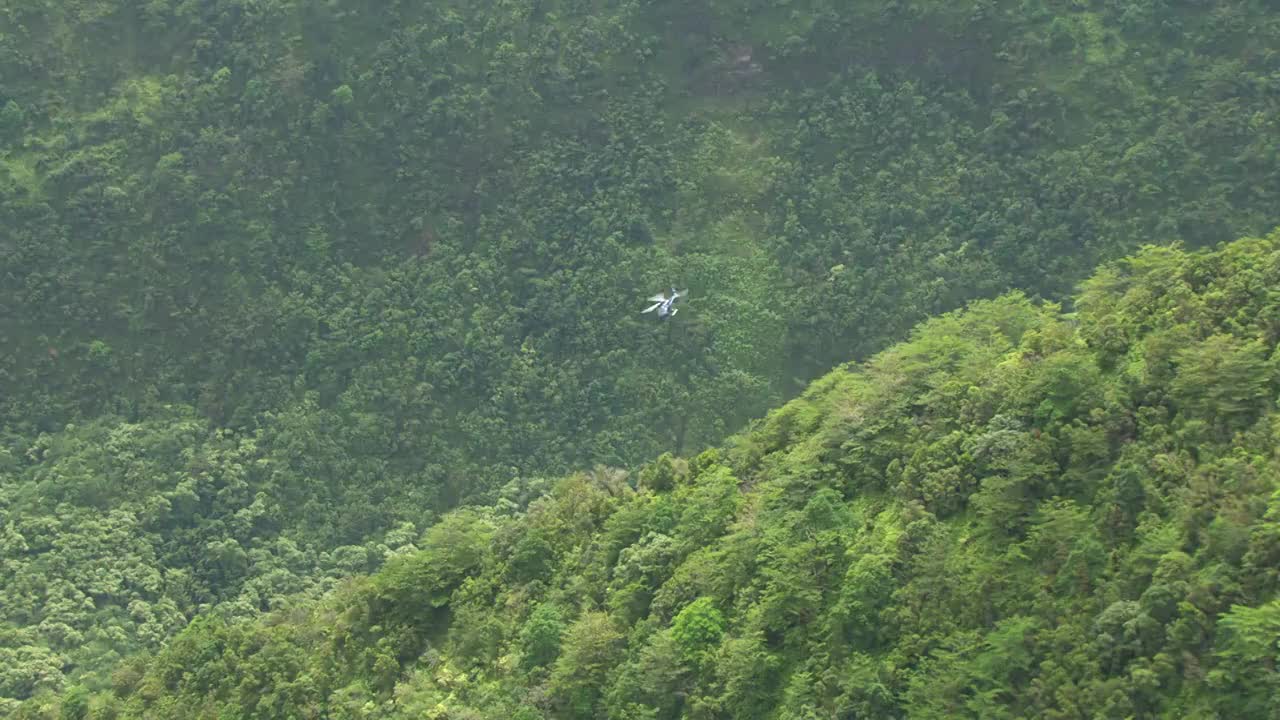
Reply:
x=1019 y=512
x=282 y=282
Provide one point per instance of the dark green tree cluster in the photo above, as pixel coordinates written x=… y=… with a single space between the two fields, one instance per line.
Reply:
x=1019 y=512
x=436 y=221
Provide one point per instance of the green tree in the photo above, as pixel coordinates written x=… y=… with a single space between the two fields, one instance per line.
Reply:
x=587 y=654
x=540 y=637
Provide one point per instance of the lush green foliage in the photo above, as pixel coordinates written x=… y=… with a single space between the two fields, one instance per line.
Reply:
x=434 y=222
x=1017 y=513
x=282 y=280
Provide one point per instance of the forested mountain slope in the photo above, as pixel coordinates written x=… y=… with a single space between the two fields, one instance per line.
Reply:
x=434 y=221
x=282 y=280
x=1016 y=513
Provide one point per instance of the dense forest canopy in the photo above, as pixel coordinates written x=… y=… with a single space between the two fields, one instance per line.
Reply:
x=436 y=221
x=282 y=281
x=1019 y=512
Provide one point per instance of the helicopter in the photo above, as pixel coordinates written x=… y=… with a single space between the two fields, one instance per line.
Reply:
x=664 y=303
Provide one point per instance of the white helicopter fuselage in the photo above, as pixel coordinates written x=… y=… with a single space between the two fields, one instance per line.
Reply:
x=664 y=304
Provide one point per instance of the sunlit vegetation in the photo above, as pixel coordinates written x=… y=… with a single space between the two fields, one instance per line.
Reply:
x=1018 y=512
x=284 y=282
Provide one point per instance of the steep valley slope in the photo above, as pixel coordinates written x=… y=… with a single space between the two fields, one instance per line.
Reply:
x=1019 y=512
